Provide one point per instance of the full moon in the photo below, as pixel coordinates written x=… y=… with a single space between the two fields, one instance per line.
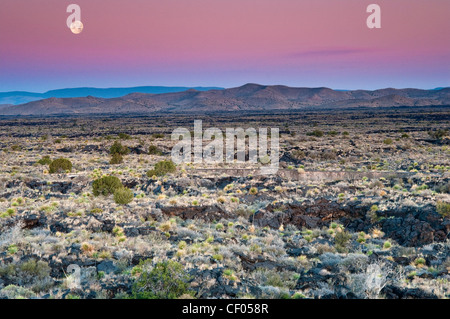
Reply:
x=76 y=27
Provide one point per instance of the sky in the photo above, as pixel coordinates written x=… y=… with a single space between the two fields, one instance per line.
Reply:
x=227 y=43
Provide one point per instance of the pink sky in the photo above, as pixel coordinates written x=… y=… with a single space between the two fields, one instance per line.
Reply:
x=224 y=43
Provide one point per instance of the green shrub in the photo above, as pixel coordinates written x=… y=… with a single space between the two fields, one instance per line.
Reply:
x=116 y=158
x=16 y=292
x=123 y=196
x=388 y=141
x=162 y=168
x=316 y=133
x=45 y=160
x=341 y=240
x=29 y=273
x=153 y=150
x=332 y=133
x=124 y=136
x=419 y=261
x=158 y=135
x=118 y=148
x=443 y=208
x=60 y=165
x=298 y=295
x=106 y=185
x=167 y=280
x=439 y=134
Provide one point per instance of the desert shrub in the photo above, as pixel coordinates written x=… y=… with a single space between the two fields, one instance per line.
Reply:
x=443 y=208
x=316 y=133
x=106 y=185
x=298 y=154
x=87 y=249
x=116 y=158
x=370 y=283
x=445 y=188
x=354 y=262
x=439 y=134
x=154 y=150
x=45 y=160
x=124 y=136
x=329 y=259
x=341 y=240
x=419 y=261
x=16 y=292
x=275 y=278
x=328 y=155
x=244 y=212
x=162 y=168
x=167 y=280
x=118 y=148
x=9 y=212
x=270 y=292
x=32 y=273
x=60 y=165
x=332 y=133
x=158 y=135
x=388 y=141
x=123 y=196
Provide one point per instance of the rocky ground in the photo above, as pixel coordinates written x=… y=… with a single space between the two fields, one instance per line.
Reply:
x=358 y=209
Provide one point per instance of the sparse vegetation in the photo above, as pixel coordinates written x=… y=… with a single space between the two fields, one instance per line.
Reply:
x=118 y=148
x=153 y=150
x=335 y=212
x=45 y=160
x=116 y=158
x=316 y=133
x=443 y=208
x=167 y=280
x=106 y=185
x=60 y=165
x=162 y=168
x=123 y=196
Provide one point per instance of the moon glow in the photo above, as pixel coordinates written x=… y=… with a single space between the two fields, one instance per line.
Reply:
x=76 y=27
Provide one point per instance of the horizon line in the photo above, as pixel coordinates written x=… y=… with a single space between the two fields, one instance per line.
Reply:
x=213 y=87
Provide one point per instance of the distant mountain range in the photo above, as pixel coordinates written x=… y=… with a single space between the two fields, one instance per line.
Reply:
x=21 y=97
x=249 y=97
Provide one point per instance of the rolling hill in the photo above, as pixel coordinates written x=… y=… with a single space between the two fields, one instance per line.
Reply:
x=21 y=97
x=249 y=97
